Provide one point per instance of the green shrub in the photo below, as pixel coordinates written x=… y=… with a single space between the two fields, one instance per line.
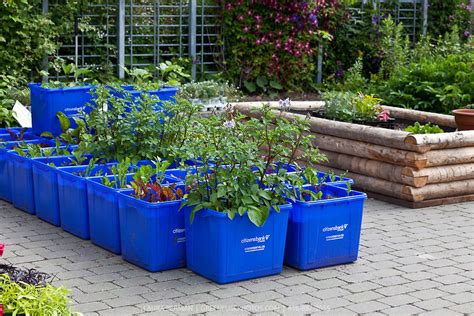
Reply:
x=439 y=78
x=22 y=298
x=428 y=128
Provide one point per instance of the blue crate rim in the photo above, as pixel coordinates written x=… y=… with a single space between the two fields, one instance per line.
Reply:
x=213 y=213
x=357 y=196
x=124 y=194
x=84 y=87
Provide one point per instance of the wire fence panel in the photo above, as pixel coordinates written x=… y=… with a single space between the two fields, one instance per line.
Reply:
x=154 y=31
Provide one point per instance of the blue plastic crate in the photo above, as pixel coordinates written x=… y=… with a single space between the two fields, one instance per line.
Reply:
x=22 y=192
x=325 y=232
x=45 y=183
x=47 y=102
x=4 y=130
x=104 y=222
x=72 y=197
x=22 y=189
x=8 y=137
x=5 y=168
x=152 y=234
x=166 y=93
x=225 y=250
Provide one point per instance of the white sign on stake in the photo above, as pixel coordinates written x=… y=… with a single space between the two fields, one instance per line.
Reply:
x=22 y=115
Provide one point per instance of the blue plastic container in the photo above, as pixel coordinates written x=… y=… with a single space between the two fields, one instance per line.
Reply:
x=5 y=167
x=104 y=222
x=166 y=93
x=72 y=197
x=152 y=234
x=22 y=188
x=16 y=135
x=225 y=250
x=4 y=130
x=325 y=232
x=45 y=183
x=47 y=102
x=22 y=192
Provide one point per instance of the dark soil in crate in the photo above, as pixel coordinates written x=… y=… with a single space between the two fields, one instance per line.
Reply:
x=392 y=123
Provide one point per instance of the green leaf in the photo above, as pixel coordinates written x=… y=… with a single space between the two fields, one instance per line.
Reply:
x=276 y=85
x=250 y=86
x=262 y=82
x=63 y=121
x=47 y=135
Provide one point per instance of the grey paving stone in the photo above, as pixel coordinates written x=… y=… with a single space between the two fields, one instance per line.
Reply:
x=460 y=298
x=262 y=286
x=363 y=296
x=428 y=294
x=399 y=300
x=467 y=308
x=403 y=310
x=127 y=310
x=228 y=303
x=262 y=296
x=195 y=299
x=360 y=287
x=330 y=293
x=367 y=307
x=230 y=292
x=432 y=304
x=90 y=307
x=295 y=289
x=296 y=300
x=441 y=312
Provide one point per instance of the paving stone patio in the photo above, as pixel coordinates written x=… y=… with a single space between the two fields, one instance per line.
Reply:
x=410 y=262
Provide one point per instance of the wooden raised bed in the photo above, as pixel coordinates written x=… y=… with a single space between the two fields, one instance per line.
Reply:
x=393 y=165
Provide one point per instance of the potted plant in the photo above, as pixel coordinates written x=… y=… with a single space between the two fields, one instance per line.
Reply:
x=102 y=198
x=234 y=197
x=209 y=95
x=324 y=224
x=5 y=170
x=465 y=118
x=20 y=164
x=45 y=182
x=72 y=195
x=142 y=83
x=151 y=228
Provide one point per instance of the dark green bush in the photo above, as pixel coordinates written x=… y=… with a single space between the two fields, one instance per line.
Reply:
x=439 y=78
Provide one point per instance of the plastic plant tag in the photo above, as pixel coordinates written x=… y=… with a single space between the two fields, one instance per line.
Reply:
x=22 y=115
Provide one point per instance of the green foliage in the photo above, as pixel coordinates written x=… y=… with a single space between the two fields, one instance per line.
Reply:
x=366 y=107
x=338 y=105
x=137 y=130
x=263 y=85
x=428 y=128
x=39 y=150
x=267 y=44
x=439 y=78
x=119 y=172
x=236 y=157
x=443 y=15
x=348 y=106
x=26 y=299
x=394 y=47
x=174 y=73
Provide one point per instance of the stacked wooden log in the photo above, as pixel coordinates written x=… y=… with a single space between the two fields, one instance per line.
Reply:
x=393 y=165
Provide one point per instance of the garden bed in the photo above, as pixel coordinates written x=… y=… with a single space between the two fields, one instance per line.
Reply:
x=413 y=170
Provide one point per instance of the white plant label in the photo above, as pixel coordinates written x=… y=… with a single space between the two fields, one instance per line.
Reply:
x=22 y=115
